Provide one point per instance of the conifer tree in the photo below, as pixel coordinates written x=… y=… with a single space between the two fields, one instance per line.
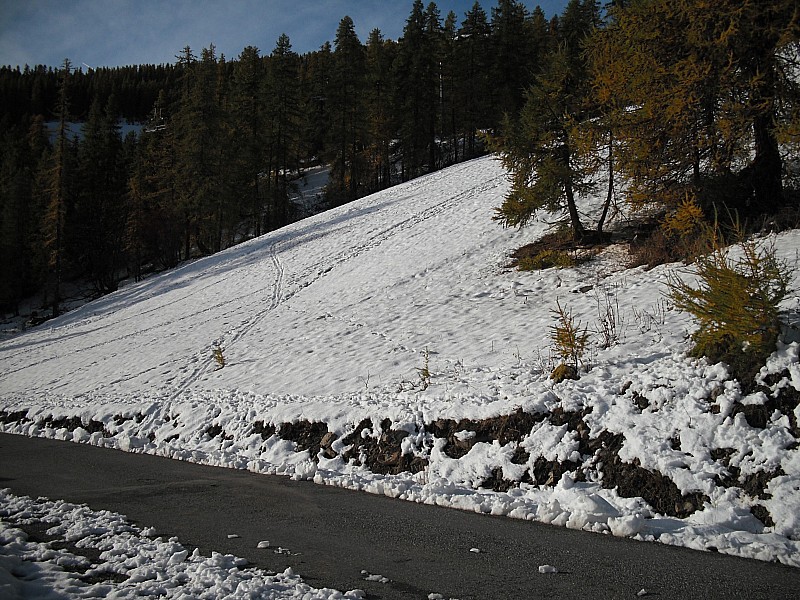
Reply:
x=433 y=41
x=58 y=190
x=248 y=106
x=156 y=221
x=378 y=95
x=284 y=127
x=473 y=75
x=417 y=86
x=315 y=82
x=100 y=212
x=552 y=150
x=710 y=86
x=548 y=165
x=203 y=150
x=38 y=142
x=20 y=155
x=347 y=114
x=450 y=109
x=511 y=57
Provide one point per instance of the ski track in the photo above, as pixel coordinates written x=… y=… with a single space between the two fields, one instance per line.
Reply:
x=164 y=314
x=234 y=335
x=308 y=277
x=384 y=235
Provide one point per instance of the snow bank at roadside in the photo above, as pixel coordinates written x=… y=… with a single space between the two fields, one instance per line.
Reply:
x=133 y=563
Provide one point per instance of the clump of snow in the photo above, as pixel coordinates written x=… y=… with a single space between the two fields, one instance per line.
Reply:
x=374 y=577
x=330 y=321
x=547 y=569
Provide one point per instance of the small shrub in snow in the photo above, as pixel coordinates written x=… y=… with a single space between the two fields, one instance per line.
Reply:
x=425 y=371
x=219 y=357
x=736 y=306
x=609 y=318
x=546 y=259
x=570 y=343
x=686 y=221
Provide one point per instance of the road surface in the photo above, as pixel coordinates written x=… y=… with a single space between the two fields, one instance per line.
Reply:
x=334 y=534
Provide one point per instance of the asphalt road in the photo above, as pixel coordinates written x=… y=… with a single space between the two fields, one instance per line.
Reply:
x=334 y=534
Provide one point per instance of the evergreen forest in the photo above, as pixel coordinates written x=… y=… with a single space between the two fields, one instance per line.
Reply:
x=672 y=105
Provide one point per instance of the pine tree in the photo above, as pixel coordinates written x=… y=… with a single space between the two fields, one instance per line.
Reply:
x=473 y=75
x=58 y=190
x=511 y=53
x=417 y=90
x=156 y=221
x=378 y=96
x=101 y=211
x=450 y=109
x=315 y=82
x=285 y=125
x=347 y=114
x=203 y=152
x=20 y=154
x=248 y=108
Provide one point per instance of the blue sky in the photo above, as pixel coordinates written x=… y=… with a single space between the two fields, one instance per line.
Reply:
x=111 y=33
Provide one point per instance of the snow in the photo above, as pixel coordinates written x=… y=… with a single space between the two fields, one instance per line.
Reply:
x=132 y=562
x=337 y=319
x=544 y=569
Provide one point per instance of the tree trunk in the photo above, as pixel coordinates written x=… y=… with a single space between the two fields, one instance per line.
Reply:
x=578 y=231
x=767 y=166
x=610 y=195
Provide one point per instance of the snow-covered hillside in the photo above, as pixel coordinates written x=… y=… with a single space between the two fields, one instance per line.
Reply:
x=385 y=346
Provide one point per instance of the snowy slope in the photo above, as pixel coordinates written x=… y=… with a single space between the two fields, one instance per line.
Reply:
x=334 y=319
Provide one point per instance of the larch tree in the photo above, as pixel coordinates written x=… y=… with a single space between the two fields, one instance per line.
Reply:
x=540 y=151
x=698 y=90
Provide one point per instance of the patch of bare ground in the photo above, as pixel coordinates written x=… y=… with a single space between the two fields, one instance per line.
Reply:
x=504 y=429
x=558 y=249
x=381 y=451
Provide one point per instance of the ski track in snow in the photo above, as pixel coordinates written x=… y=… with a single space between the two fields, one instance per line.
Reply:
x=201 y=365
